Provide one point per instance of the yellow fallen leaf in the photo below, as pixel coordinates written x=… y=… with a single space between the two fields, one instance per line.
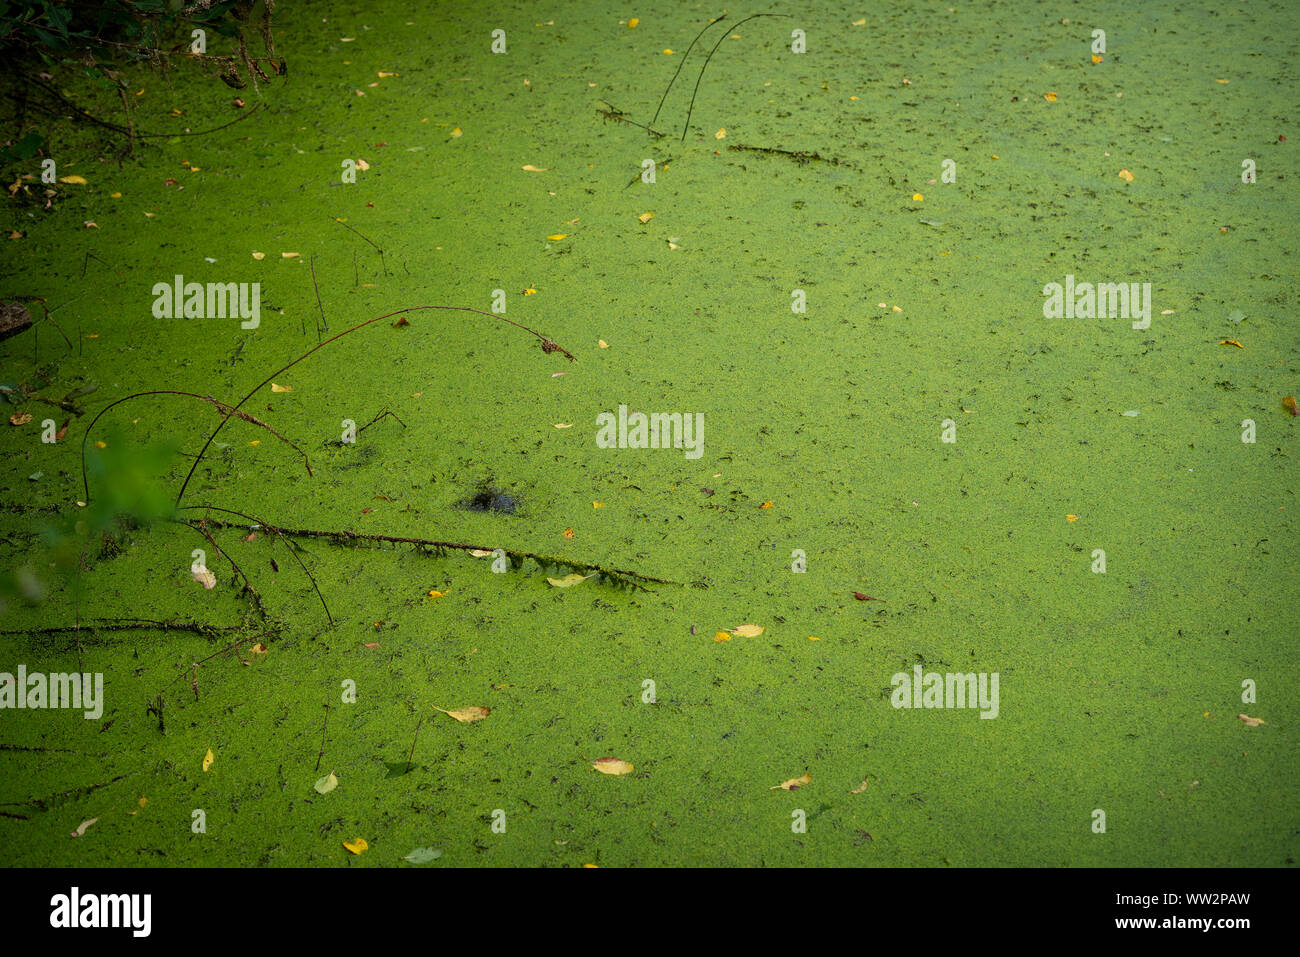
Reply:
x=860 y=23
x=74 y=180
x=1096 y=58
x=530 y=291
x=437 y=594
x=115 y=195
x=259 y=255
x=260 y=649
x=557 y=237
x=564 y=425
x=326 y=784
x=1050 y=97
x=602 y=343
x=289 y=255
x=766 y=505
x=611 y=766
x=597 y=504
x=466 y=715
x=1125 y=175
x=722 y=636
x=860 y=788
x=631 y=24
x=1252 y=722
x=456 y=132
x=646 y=217
x=281 y=388
x=568 y=581
x=357 y=845
x=917 y=198
x=1072 y=518
x=793 y=784
x=536 y=169
x=567 y=533
x=721 y=134
x=1231 y=342
x=362 y=165
x=207 y=760
x=1224 y=82
x=479 y=553
x=668 y=52
x=813 y=638
x=747 y=631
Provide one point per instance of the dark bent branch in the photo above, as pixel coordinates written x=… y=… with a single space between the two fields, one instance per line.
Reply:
x=227 y=410
x=548 y=346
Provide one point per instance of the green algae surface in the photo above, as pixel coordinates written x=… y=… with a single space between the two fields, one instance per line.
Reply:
x=920 y=434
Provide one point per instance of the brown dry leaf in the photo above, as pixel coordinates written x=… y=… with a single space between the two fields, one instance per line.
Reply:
x=568 y=581
x=536 y=169
x=793 y=784
x=204 y=577
x=747 y=631
x=611 y=766
x=81 y=828
x=20 y=418
x=1252 y=722
x=466 y=715
x=281 y=388
x=207 y=760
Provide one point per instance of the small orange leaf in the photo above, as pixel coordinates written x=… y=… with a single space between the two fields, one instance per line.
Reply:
x=722 y=636
x=568 y=533
x=766 y=505
x=1288 y=403
x=1050 y=97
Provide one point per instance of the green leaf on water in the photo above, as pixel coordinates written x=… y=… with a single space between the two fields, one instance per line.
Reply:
x=423 y=855
x=1236 y=316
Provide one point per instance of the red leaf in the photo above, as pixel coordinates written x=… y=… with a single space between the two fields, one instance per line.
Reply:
x=861 y=597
